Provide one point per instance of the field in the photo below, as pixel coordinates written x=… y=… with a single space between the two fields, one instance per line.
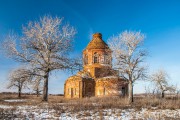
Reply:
x=31 y=107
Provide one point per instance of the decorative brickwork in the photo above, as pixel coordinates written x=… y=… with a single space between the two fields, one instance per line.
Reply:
x=97 y=77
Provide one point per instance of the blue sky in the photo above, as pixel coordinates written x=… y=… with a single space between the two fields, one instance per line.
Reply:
x=159 y=20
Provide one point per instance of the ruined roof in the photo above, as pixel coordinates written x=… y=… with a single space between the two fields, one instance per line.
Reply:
x=97 y=42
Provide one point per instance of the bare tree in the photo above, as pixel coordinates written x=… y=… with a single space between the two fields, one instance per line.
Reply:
x=44 y=46
x=37 y=85
x=129 y=55
x=160 y=80
x=77 y=64
x=19 y=79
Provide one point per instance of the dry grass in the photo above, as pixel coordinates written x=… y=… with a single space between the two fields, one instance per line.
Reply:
x=149 y=102
x=98 y=104
x=74 y=105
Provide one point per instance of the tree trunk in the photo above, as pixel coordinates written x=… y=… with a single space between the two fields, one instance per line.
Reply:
x=130 y=92
x=45 y=89
x=19 y=93
x=162 y=94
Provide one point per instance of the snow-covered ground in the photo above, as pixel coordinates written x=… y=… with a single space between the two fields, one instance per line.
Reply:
x=46 y=112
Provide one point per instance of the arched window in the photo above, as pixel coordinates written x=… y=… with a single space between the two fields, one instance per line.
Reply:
x=85 y=59
x=104 y=91
x=123 y=91
x=96 y=58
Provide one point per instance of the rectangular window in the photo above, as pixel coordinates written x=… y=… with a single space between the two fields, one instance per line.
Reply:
x=75 y=91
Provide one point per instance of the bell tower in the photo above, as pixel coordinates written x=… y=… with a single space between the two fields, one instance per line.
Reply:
x=97 y=57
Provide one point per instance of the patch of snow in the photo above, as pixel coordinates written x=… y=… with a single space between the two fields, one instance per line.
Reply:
x=5 y=106
x=15 y=100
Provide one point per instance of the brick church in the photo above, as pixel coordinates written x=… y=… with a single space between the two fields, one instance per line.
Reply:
x=97 y=77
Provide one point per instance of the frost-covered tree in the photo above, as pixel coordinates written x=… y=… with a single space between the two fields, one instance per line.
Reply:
x=37 y=85
x=19 y=78
x=129 y=54
x=160 y=80
x=44 y=45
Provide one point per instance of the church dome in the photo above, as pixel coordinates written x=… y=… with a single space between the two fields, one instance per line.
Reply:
x=97 y=42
